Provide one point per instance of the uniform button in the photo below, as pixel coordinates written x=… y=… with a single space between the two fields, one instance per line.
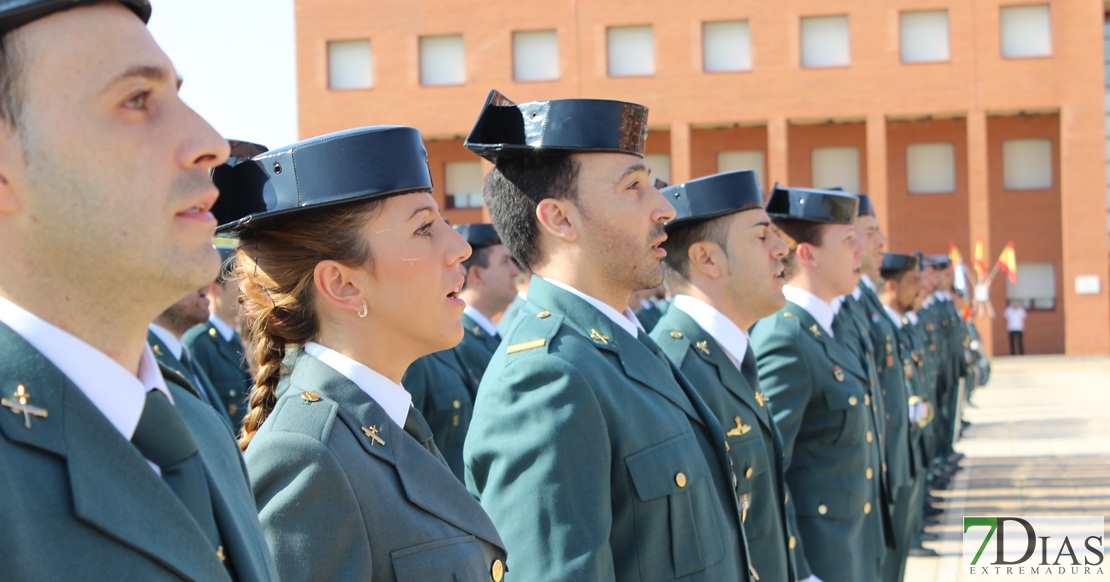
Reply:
x=888 y=417
x=748 y=473
x=231 y=393
x=822 y=509
x=793 y=542
x=884 y=467
x=680 y=479
x=870 y=473
x=867 y=507
x=870 y=437
x=852 y=400
x=497 y=571
x=867 y=400
x=456 y=404
x=785 y=498
x=310 y=396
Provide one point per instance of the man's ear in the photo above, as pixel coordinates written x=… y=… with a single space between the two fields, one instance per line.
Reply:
x=474 y=276
x=337 y=286
x=558 y=217
x=706 y=258
x=11 y=162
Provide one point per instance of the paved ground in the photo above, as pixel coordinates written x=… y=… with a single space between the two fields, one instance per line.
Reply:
x=1039 y=444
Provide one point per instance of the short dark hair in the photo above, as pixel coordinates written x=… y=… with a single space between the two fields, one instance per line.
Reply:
x=678 y=243
x=478 y=258
x=11 y=91
x=512 y=191
x=892 y=275
x=794 y=233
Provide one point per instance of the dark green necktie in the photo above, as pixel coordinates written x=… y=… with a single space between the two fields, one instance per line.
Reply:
x=749 y=369
x=418 y=428
x=164 y=439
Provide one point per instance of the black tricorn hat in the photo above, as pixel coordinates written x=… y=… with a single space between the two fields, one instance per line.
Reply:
x=938 y=261
x=865 y=206
x=16 y=13
x=713 y=196
x=229 y=208
x=894 y=262
x=347 y=166
x=565 y=126
x=824 y=206
x=479 y=234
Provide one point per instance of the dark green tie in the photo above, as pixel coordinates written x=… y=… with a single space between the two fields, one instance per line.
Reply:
x=749 y=369
x=418 y=428
x=164 y=439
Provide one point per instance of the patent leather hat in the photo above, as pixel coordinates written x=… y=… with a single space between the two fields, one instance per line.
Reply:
x=713 y=196
x=566 y=126
x=824 y=206
x=16 y=13
x=348 y=166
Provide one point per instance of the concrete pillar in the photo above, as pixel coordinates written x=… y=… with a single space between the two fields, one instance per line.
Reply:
x=778 y=162
x=877 y=157
x=978 y=207
x=680 y=152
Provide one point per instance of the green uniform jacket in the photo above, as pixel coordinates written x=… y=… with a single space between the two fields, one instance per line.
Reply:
x=596 y=459
x=754 y=441
x=200 y=384
x=818 y=391
x=336 y=504
x=81 y=502
x=224 y=363
x=476 y=349
x=891 y=372
x=510 y=314
x=649 y=316
x=442 y=390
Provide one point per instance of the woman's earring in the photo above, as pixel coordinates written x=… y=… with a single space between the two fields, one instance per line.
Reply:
x=362 y=312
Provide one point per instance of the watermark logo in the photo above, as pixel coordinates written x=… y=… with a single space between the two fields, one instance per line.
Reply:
x=1034 y=546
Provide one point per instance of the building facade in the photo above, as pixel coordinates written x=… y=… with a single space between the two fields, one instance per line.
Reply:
x=965 y=121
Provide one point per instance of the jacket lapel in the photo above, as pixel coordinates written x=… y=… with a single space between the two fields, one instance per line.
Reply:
x=839 y=354
x=637 y=361
x=113 y=488
x=416 y=468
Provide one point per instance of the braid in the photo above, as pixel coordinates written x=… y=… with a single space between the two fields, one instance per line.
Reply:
x=274 y=269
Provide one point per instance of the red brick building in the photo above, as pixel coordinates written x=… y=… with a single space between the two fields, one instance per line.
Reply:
x=964 y=121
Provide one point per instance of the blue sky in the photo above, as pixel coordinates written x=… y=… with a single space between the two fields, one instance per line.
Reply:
x=238 y=60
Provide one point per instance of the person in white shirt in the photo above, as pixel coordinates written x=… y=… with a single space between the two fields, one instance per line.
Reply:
x=1015 y=324
x=110 y=471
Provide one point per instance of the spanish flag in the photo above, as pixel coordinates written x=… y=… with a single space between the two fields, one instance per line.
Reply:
x=1008 y=262
x=954 y=254
x=980 y=266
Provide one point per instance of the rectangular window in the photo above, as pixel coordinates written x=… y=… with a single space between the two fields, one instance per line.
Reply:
x=442 y=60
x=535 y=55
x=923 y=36
x=731 y=161
x=631 y=51
x=660 y=165
x=931 y=168
x=1027 y=164
x=836 y=167
x=825 y=42
x=350 y=64
x=1035 y=287
x=726 y=46
x=1026 y=31
x=463 y=184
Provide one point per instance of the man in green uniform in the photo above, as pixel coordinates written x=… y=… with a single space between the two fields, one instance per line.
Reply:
x=217 y=348
x=724 y=267
x=594 y=457
x=110 y=470
x=820 y=391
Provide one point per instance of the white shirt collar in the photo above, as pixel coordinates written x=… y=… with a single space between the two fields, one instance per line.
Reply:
x=480 y=319
x=912 y=316
x=392 y=397
x=857 y=292
x=894 y=315
x=821 y=311
x=172 y=341
x=116 y=392
x=867 y=281
x=226 y=330
x=627 y=320
x=722 y=329
x=940 y=295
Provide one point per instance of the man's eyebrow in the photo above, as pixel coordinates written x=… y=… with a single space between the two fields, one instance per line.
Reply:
x=150 y=72
x=762 y=224
x=633 y=169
